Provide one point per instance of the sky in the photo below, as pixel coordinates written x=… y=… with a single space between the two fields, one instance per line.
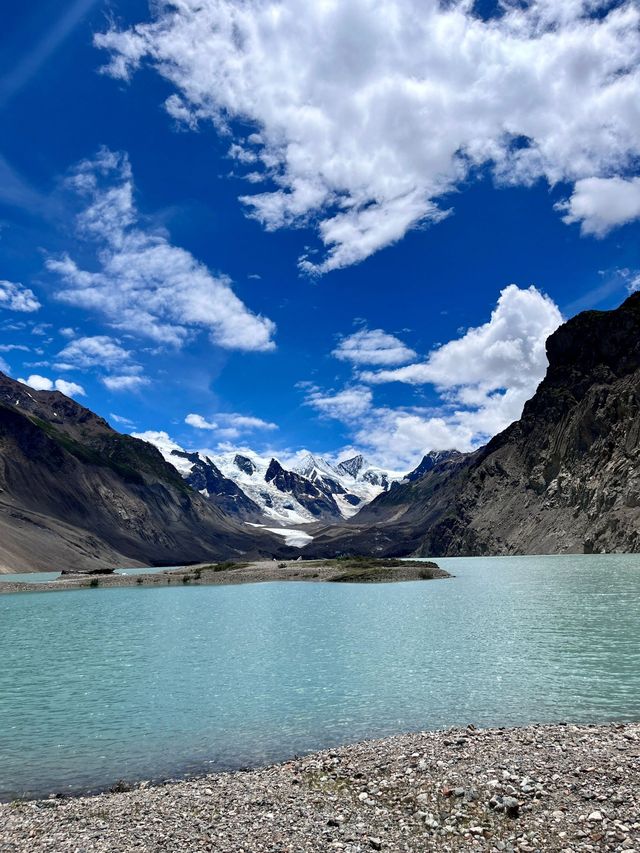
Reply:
x=346 y=226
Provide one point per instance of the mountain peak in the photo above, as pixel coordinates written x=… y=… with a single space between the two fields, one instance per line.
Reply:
x=310 y=463
x=246 y=465
x=433 y=458
x=352 y=466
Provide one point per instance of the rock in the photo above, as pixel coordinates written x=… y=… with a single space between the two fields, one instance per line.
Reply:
x=511 y=806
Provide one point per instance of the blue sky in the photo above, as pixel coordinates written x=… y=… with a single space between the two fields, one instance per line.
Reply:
x=384 y=199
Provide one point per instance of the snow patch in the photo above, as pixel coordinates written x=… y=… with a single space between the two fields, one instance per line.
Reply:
x=295 y=538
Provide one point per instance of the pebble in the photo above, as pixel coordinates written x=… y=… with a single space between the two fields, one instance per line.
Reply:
x=459 y=790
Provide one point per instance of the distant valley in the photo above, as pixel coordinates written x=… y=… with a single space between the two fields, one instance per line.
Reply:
x=563 y=478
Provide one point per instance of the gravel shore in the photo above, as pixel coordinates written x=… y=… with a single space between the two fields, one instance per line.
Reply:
x=261 y=571
x=538 y=788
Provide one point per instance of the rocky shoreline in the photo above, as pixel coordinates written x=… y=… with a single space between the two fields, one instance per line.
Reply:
x=262 y=571
x=537 y=788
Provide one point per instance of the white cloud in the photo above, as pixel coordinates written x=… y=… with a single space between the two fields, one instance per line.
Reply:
x=345 y=405
x=43 y=383
x=198 y=422
x=158 y=438
x=4 y=367
x=601 y=204
x=144 y=284
x=17 y=297
x=12 y=347
x=483 y=380
x=97 y=351
x=39 y=383
x=368 y=112
x=122 y=421
x=41 y=329
x=373 y=346
x=229 y=425
x=506 y=352
x=398 y=439
x=245 y=422
x=125 y=382
x=71 y=389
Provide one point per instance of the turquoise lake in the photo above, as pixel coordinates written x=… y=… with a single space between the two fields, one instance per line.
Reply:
x=98 y=685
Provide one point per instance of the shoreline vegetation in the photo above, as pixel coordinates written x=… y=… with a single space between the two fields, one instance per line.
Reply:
x=339 y=570
x=536 y=788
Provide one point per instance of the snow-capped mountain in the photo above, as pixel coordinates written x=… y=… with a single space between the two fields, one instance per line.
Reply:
x=260 y=489
x=205 y=477
x=352 y=482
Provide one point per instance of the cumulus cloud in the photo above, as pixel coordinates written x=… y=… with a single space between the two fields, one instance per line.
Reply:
x=489 y=373
x=601 y=204
x=158 y=438
x=373 y=346
x=198 y=422
x=398 y=438
x=43 y=383
x=71 y=389
x=506 y=352
x=366 y=114
x=483 y=379
x=17 y=297
x=39 y=383
x=144 y=283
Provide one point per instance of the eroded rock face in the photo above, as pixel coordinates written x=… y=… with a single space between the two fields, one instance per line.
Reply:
x=564 y=478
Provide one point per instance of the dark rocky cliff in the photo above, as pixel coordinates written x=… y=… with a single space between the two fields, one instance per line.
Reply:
x=564 y=478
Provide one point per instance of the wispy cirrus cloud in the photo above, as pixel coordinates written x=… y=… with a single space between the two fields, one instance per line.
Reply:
x=229 y=425
x=368 y=114
x=125 y=382
x=145 y=284
x=20 y=73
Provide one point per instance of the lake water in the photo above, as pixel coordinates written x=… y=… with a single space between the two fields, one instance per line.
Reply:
x=98 y=685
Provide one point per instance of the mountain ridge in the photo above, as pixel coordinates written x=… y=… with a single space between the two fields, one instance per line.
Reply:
x=74 y=493
x=311 y=491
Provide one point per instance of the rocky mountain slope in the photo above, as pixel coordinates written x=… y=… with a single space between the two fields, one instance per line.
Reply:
x=74 y=493
x=564 y=478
